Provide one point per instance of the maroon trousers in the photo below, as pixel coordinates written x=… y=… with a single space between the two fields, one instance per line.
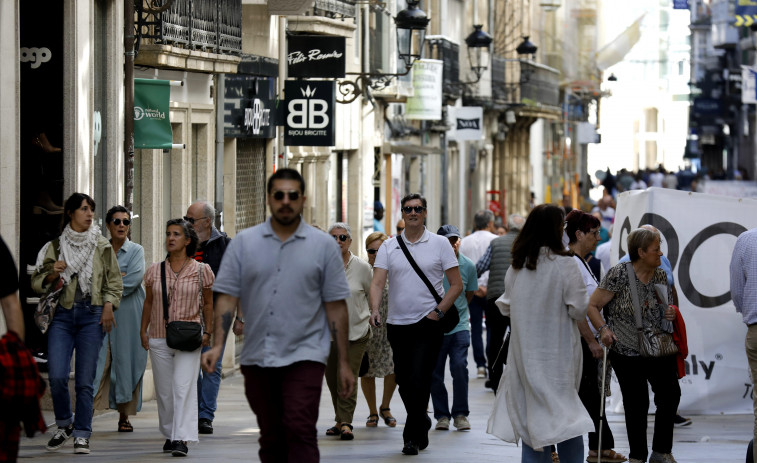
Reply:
x=285 y=401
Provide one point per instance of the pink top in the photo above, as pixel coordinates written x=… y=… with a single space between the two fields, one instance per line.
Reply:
x=184 y=301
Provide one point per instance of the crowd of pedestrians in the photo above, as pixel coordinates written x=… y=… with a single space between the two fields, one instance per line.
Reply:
x=554 y=316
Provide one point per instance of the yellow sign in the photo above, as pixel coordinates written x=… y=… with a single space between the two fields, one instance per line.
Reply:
x=745 y=20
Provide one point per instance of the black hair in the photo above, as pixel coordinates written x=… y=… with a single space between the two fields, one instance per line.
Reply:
x=189 y=233
x=286 y=174
x=73 y=203
x=411 y=197
x=113 y=210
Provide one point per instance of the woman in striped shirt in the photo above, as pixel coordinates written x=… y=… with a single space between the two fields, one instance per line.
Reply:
x=175 y=371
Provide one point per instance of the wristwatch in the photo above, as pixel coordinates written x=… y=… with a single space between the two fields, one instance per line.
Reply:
x=439 y=313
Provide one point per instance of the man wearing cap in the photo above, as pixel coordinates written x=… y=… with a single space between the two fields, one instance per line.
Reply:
x=413 y=327
x=378 y=214
x=455 y=346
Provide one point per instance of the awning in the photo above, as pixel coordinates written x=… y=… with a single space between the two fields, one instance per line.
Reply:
x=404 y=147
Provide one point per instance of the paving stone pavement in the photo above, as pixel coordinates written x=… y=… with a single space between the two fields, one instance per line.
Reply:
x=711 y=439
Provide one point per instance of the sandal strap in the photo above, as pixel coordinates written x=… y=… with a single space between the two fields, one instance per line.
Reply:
x=346 y=424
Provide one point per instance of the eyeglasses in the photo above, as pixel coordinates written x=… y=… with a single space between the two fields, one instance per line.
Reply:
x=596 y=233
x=192 y=220
x=341 y=238
x=126 y=222
x=294 y=195
x=409 y=209
x=371 y=251
x=400 y=229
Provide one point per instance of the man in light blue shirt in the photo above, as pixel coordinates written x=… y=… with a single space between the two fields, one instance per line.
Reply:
x=455 y=346
x=744 y=294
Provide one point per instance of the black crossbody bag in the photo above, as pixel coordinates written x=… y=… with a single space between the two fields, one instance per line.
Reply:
x=180 y=335
x=451 y=318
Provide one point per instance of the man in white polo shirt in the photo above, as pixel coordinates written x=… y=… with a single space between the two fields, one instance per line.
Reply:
x=413 y=317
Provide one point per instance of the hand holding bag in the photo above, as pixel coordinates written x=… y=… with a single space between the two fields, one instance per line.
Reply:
x=451 y=317
x=43 y=314
x=652 y=343
x=180 y=335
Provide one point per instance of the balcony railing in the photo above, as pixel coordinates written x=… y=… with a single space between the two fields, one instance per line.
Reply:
x=209 y=25
x=449 y=52
x=335 y=8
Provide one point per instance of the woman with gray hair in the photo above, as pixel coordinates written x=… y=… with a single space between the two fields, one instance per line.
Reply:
x=630 y=293
x=359 y=276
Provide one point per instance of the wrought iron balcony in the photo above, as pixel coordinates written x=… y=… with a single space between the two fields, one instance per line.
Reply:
x=447 y=51
x=335 y=8
x=209 y=25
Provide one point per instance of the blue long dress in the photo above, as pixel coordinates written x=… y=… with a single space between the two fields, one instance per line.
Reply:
x=128 y=357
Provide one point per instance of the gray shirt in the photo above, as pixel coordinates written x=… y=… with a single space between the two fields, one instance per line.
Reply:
x=281 y=288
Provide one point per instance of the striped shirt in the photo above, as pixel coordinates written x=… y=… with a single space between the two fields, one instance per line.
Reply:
x=183 y=295
x=744 y=276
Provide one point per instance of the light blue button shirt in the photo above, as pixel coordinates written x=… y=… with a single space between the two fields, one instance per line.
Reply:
x=744 y=276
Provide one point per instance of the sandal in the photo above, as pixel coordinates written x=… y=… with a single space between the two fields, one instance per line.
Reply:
x=372 y=421
x=125 y=426
x=347 y=433
x=608 y=456
x=388 y=420
x=333 y=431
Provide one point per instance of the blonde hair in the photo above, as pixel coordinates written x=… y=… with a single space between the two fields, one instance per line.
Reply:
x=375 y=236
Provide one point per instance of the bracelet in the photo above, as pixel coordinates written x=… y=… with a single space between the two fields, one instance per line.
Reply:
x=205 y=332
x=601 y=328
x=239 y=320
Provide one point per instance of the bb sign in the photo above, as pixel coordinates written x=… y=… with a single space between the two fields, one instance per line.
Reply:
x=309 y=113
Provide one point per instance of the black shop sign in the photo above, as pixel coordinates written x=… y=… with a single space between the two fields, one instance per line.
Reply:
x=249 y=107
x=310 y=113
x=316 y=56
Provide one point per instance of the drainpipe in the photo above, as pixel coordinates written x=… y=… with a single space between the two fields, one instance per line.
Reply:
x=129 y=104
x=220 y=100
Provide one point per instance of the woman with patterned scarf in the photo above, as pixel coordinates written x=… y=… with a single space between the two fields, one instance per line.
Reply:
x=83 y=262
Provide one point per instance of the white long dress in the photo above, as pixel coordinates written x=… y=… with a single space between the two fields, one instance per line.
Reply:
x=537 y=400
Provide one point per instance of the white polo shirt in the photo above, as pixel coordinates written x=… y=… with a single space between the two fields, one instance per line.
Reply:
x=409 y=299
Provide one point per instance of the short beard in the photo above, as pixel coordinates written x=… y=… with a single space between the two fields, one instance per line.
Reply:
x=295 y=218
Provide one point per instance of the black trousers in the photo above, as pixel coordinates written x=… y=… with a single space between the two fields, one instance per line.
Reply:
x=496 y=325
x=415 y=349
x=633 y=374
x=589 y=392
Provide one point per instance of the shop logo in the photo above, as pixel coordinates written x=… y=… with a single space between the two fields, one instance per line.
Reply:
x=256 y=117
x=153 y=114
x=297 y=57
x=308 y=113
x=471 y=124
x=36 y=56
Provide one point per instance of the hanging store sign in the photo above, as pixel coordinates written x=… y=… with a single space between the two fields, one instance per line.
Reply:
x=310 y=113
x=426 y=102
x=249 y=104
x=466 y=123
x=748 y=85
x=152 y=127
x=316 y=56
x=680 y=4
x=745 y=13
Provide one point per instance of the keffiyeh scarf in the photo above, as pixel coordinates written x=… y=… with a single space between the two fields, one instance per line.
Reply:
x=77 y=249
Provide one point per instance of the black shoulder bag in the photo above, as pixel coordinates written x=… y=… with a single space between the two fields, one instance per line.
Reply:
x=180 y=335
x=451 y=318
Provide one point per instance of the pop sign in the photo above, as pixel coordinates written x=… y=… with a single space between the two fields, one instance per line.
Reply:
x=309 y=113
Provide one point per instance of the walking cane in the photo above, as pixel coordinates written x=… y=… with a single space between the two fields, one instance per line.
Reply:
x=602 y=401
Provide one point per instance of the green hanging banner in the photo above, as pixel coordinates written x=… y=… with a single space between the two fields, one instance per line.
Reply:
x=152 y=127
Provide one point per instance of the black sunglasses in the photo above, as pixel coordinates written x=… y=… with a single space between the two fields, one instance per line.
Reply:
x=294 y=195
x=371 y=251
x=192 y=220
x=409 y=209
x=342 y=238
x=118 y=222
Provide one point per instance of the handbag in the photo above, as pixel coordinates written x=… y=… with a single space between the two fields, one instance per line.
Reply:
x=43 y=314
x=652 y=343
x=451 y=318
x=180 y=335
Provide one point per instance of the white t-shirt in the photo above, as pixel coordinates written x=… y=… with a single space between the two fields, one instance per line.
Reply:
x=409 y=299
x=474 y=247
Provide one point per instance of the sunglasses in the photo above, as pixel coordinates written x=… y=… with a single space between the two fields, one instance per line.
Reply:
x=192 y=220
x=126 y=222
x=341 y=238
x=371 y=251
x=294 y=195
x=409 y=209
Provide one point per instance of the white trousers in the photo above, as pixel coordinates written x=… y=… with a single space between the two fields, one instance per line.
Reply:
x=175 y=376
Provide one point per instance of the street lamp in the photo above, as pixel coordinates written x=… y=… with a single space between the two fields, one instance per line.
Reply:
x=479 y=50
x=411 y=32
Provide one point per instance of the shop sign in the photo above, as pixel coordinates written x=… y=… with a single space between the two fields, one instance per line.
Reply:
x=467 y=123
x=426 y=102
x=152 y=127
x=310 y=113
x=249 y=104
x=316 y=56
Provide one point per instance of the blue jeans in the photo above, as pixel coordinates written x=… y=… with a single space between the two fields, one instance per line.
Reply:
x=456 y=347
x=75 y=329
x=570 y=451
x=207 y=389
x=476 y=309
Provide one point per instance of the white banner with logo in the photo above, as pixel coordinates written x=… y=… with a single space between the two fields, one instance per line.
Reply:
x=426 y=102
x=699 y=232
x=466 y=122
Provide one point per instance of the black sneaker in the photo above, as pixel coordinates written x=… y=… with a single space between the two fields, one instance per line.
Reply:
x=410 y=448
x=81 y=445
x=179 y=448
x=60 y=437
x=679 y=421
x=168 y=446
x=205 y=426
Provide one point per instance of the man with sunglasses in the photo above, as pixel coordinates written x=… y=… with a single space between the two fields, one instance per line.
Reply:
x=210 y=251
x=413 y=317
x=288 y=280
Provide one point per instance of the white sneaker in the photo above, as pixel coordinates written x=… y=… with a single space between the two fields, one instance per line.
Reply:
x=461 y=423
x=81 y=445
x=442 y=424
x=481 y=372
